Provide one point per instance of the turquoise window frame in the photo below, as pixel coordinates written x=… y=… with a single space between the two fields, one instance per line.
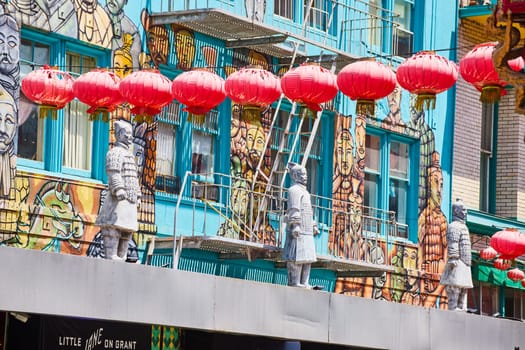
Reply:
x=54 y=129
x=385 y=139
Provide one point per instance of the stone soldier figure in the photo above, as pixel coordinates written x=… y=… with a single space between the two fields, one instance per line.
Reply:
x=299 y=248
x=118 y=213
x=457 y=277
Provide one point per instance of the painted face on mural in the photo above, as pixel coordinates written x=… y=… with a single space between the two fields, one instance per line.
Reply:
x=345 y=157
x=394 y=100
x=116 y=6
x=158 y=44
x=255 y=144
x=410 y=264
x=9 y=42
x=185 y=49
x=7 y=124
x=436 y=186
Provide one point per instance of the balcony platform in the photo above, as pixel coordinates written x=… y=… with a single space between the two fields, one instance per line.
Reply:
x=237 y=31
x=229 y=248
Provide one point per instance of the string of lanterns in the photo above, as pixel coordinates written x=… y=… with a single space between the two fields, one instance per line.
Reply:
x=505 y=247
x=200 y=90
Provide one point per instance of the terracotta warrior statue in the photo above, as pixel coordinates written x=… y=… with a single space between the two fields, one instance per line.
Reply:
x=457 y=277
x=118 y=213
x=299 y=248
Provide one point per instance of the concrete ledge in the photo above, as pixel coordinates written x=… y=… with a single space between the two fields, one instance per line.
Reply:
x=65 y=285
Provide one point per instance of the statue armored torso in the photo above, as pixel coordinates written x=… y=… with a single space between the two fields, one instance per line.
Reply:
x=122 y=172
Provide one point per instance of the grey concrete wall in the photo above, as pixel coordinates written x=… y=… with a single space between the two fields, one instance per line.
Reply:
x=49 y=283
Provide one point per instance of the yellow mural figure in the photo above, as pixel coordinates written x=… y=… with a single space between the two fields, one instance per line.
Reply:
x=393 y=120
x=122 y=59
x=123 y=28
x=210 y=57
x=339 y=241
x=184 y=47
x=54 y=223
x=157 y=40
x=257 y=59
x=8 y=113
x=432 y=228
x=94 y=25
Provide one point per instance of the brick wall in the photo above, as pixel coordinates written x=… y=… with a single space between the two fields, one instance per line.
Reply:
x=510 y=173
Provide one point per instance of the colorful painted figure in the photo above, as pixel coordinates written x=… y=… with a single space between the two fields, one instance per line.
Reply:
x=94 y=25
x=184 y=48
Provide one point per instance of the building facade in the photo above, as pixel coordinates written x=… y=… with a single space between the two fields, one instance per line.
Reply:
x=213 y=189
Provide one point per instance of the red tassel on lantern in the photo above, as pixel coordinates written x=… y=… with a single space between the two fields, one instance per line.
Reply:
x=51 y=88
x=99 y=89
x=148 y=91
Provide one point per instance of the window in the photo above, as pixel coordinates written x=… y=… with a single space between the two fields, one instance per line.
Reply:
x=203 y=145
x=487 y=168
x=30 y=127
x=66 y=144
x=514 y=299
x=484 y=299
x=312 y=165
x=77 y=127
x=319 y=15
x=375 y=28
x=390 y=181
x=168 y=121
x=403 y=35
x=284 y=8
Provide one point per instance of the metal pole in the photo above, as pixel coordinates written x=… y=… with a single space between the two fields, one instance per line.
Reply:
x=174 y=252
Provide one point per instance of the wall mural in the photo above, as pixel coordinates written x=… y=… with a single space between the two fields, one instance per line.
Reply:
x=50 y=214
x=417 y=271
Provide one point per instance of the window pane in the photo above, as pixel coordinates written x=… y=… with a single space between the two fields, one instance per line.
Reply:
x=375 y=24
x=77 y=127
x=403 y=28
x=372 y=152
x=371 y=190
x=165 y=149
x=202 y=153
x=284 y=8
x=318 y=16
x=399 y=160
x=30 y=127
x=398 y=199
x=312 y=168
x=489 y=300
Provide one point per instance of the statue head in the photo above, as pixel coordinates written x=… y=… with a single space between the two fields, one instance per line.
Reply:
x=123 y=132
x=459 y=211
x=297 y=173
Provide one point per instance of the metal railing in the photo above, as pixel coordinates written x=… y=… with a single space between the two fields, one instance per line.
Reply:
x=228 y=207
x=338 y=25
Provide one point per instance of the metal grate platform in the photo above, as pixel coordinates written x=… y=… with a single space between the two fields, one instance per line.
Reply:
x=229 y=248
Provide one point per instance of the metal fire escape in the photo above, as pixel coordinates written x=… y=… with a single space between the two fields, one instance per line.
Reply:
x=224 y=22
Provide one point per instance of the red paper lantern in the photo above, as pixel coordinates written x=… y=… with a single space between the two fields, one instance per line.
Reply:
x=366 y=81
x=310 y=84
x=200 y=90
x=426 y=74
x=517 y=64
x=488 y=253
x=148 y=91
x=51 y=88
x=99 y=89
x=477 y=68
x=509 y=243
x=252 y=87
x=502 y=264
x=523 y=283
x=515 y=275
